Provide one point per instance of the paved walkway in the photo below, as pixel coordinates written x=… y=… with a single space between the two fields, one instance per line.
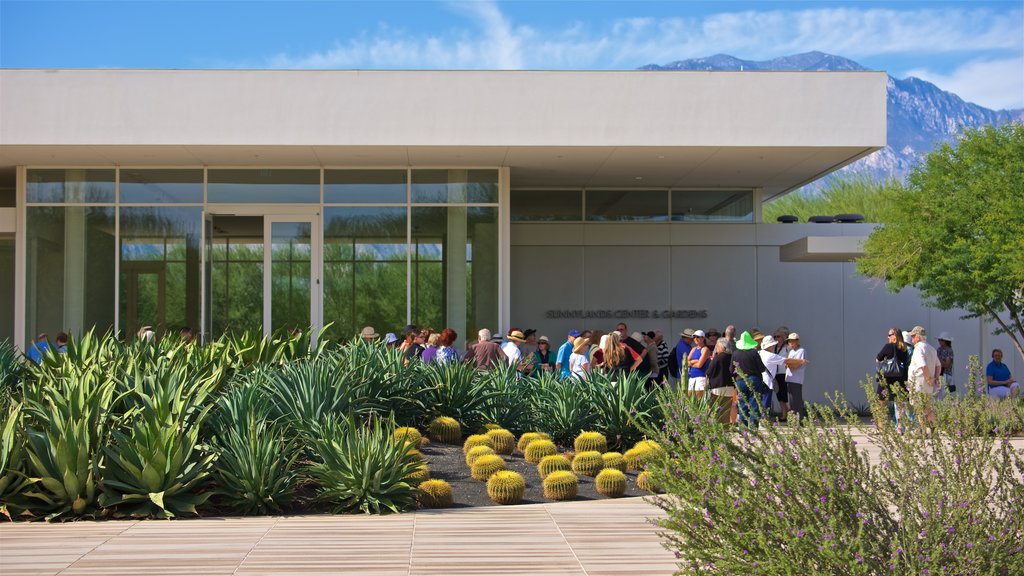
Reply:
x=600 y=537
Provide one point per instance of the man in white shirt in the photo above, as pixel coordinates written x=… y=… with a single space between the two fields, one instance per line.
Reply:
x=773 y=362
x=924 y=370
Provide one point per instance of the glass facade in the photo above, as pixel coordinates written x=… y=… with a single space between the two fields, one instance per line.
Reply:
x=631 y=205
x=124 y=248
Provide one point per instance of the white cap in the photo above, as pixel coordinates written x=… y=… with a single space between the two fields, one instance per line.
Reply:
x=698 y=333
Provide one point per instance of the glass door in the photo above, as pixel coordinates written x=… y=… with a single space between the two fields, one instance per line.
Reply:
x=291 y=280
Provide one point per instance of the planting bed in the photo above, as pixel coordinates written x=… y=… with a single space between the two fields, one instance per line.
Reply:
x=447 y=462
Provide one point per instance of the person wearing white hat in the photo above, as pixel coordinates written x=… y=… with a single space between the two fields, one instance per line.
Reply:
x=924 y=371
x=774 y=362
x=945 y=352
x=697 y=360
x=795 y=362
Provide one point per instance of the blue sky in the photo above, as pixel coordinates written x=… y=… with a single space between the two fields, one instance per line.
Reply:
x=972 y=48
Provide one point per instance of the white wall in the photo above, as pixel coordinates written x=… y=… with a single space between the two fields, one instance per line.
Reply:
x=733 y=271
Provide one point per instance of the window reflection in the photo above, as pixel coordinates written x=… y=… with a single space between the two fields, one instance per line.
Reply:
x=627 y=205
x=365 y=186
x=70 y=185
x=454 y=186
x=263 y=186
x=162 y=186
x=713 y=205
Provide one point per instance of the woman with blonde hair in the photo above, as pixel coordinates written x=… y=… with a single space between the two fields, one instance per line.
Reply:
x=614 y=354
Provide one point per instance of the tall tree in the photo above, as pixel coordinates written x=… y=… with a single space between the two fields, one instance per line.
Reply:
x=955 y=230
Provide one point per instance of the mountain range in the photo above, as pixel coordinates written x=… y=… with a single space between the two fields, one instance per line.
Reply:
x=920 y=114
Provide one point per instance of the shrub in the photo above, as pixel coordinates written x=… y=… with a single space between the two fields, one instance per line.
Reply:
x=553 y=463
x=564 y=408
x=802 y=494
x=588 y=463
x=458 y=390
x=363 y=468
x=445 y=430
x=614 y=460
x=506 y=487
x=590 y=441
x=13 y=479
x=504 y=441
x=475 y=440
x=561 y=485
x=530 y=437
x=538 y=449
x=435 y=494
x=610 y=483
x=254 y=468
x=476 y=452
x=486 y=465
x=620 y=408
x=10 y=370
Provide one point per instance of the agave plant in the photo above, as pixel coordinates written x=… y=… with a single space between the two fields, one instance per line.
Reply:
x=306 y=392
x=621 y=406
x=458 y=390
x=254 y=468
x=10 y=370
x=156 y=462
x=13 y=479
x=67 y=420
x=244 y=399
x=513 y=396
x=364 y=468
x=386 y=381
x=563 y=409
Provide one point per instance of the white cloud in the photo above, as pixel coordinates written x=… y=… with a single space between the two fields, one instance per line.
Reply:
x=488 y=39
x=996 y=84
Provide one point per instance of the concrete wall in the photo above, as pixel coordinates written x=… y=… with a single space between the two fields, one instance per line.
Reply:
x=733 y=271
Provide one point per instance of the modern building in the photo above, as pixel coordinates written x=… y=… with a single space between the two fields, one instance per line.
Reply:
x=279 y=199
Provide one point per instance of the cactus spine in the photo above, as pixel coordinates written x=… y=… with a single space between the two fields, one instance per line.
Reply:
x=611 y=483
x=435 y=494
x=639 y=455
x=553 y=463
x=588 y=463
x=484 y=466
x=476 y=440
x=504 y=441
x=411 y=435
x=614 y=460
x=488 y=427
x=506 y=487
x=528 y=437
x=535 y=451
x=561 y=485
x=418 y=476
x=445 y=430
x=590 y=442
x=476 y=452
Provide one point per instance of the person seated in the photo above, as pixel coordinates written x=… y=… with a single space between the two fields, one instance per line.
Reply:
x=1000 y=383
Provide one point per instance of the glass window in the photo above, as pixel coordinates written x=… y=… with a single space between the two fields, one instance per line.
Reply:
x=290 y=258
x=170 y=186
x=236 y=274
x=263 y=186
x=627 y=205
x=160 y=268
x=546 y=205
x=713 y=205
x=6 y=289
x=69 y=270
x=455 y=268
x=454 y=186
x=365 y=186
x=70 y=185
x=364 y=269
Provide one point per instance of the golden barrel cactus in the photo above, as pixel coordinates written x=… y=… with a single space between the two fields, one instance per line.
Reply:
x=504 y=442
x=445 y=430
x=536 y=451
x=475 y=440
x=614 y=460
x=588 y=463
x=488 y=427
x=552 y=463
x=643 y=482
x=435 y=494
x=611 y=483
x=476 y=452
x=590 y=442
x=410 y=435
x=486 y=465
x=506 y=487
x=561 y=485
x=418 y=476
x=528 y=437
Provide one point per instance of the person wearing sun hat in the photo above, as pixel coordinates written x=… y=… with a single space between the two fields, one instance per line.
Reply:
x=774 y=363
x=749 y=384
x=514 y=353
x=795 y=361
x=368 y=334
x=579 y=360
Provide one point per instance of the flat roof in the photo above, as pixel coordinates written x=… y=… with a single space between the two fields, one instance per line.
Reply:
x=693 y=129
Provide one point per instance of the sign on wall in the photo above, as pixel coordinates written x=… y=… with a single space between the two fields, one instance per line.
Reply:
x=623 y=313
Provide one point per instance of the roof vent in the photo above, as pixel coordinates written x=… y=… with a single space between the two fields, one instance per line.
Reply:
x=787 y=219
x=821 y=219
x=849 y=218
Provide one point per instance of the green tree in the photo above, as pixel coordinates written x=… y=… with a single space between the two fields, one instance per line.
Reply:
x=955 y=231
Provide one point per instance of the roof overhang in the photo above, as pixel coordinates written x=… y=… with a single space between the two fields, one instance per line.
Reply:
x=823 y=249
x=775 y=131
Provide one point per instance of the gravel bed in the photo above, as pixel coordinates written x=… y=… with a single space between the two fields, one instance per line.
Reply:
x=448 y=463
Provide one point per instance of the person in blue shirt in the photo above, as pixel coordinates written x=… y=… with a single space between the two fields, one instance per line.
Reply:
x=682 y=352
x=38 y=350
x=562 y=359
x=1000 y=383
x=62 y=342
